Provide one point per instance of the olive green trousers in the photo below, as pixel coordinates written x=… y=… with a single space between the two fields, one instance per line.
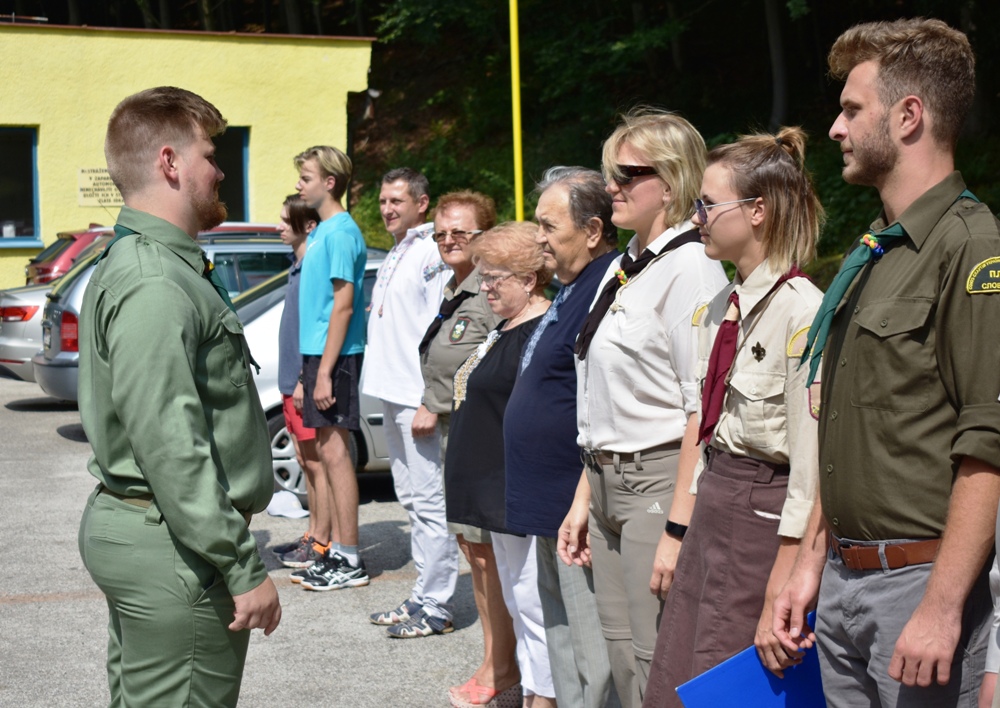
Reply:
x=168 y=642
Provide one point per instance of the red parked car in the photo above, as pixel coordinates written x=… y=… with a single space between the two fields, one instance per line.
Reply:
x=58 y=257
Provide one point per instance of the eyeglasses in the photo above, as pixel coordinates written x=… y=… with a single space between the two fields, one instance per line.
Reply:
x=701 y=208
x=456 y=236
x=490 y=280
x=630 y=172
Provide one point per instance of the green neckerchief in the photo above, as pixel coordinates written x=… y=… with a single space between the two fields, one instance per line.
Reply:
x=216 y=281
x=120 y=233
x=870 y=248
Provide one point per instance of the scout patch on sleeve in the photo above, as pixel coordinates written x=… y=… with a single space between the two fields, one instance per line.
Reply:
x=699 y=316
x=797 y=344
x=458 y=331
x=985 y=277
x=814 y=391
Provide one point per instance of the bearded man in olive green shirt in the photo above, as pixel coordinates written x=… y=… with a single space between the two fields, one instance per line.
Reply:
x=180 y=441
x=909 y=436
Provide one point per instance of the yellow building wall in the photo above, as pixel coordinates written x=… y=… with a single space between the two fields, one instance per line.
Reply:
x=291 y=92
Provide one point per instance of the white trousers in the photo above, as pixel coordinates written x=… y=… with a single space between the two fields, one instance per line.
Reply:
x=416 y=475
x=518 y=567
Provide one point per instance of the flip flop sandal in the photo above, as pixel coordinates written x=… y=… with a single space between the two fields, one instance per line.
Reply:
x=486 y=696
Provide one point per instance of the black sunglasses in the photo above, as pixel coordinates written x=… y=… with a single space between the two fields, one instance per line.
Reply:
x=630 y=172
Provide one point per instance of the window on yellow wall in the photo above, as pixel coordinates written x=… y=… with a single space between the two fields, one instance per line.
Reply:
x=231 y=150
x=18 y=184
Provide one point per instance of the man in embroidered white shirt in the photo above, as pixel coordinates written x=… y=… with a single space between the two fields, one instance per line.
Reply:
x=406 y=297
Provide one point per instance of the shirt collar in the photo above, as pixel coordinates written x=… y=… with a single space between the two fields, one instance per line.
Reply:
x=166 y=234
x=422 y=231
x=922 y=216
x=756 y=287
x=660 y=242
x=470 y=284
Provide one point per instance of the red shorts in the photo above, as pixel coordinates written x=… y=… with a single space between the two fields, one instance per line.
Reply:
x=293 y=420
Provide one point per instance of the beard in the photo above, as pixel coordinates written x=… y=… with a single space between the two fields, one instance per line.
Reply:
x=210 y=212
x=874 y=157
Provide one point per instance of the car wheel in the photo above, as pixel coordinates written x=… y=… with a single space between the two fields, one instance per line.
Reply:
x=288 y=475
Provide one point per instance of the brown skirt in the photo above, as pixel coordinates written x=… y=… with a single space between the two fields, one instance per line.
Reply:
x=713 y=607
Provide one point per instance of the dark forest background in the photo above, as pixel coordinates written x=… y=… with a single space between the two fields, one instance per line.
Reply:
x=441 y=69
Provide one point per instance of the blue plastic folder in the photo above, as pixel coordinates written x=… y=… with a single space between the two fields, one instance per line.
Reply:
x=744 y=682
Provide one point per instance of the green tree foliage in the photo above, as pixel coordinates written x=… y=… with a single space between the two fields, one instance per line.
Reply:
x=443 y=69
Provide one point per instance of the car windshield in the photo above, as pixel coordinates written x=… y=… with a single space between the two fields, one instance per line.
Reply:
x=53 y=250
x=262 y=297
x=83 y=261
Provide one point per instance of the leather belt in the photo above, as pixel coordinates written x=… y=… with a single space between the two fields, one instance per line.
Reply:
x=144 y=501
x=594 y=458
x=896 y=555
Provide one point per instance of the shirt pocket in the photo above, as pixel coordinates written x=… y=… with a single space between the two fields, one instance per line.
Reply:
x=757 y=401
x=893 y=355
x=235 y=346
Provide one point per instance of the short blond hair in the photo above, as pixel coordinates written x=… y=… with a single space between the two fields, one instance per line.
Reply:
x=772 y=168
x=146 y=121
x=919 y=57
x=332 y=163
x=512 y=245
x=672 y=146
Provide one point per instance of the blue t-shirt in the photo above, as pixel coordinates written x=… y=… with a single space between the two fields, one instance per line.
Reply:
x=335 y=250
x=539 y=425
x=289 y=358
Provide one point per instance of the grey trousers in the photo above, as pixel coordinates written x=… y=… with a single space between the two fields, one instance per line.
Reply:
x=860 y=616
x=581 y=672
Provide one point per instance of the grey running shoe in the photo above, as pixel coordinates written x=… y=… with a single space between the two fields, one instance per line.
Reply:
x=420 y=625
x=305 y=555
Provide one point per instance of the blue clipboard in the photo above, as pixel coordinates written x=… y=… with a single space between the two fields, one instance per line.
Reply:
x=743 y=681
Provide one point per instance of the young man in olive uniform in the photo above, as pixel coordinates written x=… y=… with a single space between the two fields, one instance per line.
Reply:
x=910 y=422
x=169 y=406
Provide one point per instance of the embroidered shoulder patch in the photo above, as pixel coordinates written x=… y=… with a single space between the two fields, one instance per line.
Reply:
x=797 y=344
x=432 y=270
x=985 y=277
x=699 y=316
x=458 y=331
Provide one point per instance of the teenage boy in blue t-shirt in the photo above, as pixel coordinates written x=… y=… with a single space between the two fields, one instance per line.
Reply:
x=332 y=342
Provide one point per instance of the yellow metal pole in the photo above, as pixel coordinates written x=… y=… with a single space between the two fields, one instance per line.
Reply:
x=515 y=88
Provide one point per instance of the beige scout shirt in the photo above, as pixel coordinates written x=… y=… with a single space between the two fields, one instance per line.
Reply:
x=768 y=413
x=458 y=338
x=639 y=383
x=911 y=372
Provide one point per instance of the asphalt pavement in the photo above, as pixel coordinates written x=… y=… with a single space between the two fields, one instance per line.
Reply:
x=53 y=619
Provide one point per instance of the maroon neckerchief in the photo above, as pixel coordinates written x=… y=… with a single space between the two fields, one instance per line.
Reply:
x=721 y=360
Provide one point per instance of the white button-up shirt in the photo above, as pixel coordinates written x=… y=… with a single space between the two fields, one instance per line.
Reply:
x=639 y=382
x=768 y=413
x=406 y=297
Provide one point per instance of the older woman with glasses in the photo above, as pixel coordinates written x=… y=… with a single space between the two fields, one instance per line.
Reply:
x=513 y=275
x=757 y=210
x=637 y=392
x=463 y=323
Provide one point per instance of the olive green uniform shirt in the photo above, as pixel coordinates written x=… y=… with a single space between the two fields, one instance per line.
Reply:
x=457 y=339
x=911 y=372
x=167 y=399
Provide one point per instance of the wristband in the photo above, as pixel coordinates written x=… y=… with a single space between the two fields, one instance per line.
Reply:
x=301 y=380
x=676 y=530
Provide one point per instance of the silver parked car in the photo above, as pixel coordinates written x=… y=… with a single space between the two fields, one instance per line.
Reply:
x=21 y=312
x=260 y=310
x=244 y=255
